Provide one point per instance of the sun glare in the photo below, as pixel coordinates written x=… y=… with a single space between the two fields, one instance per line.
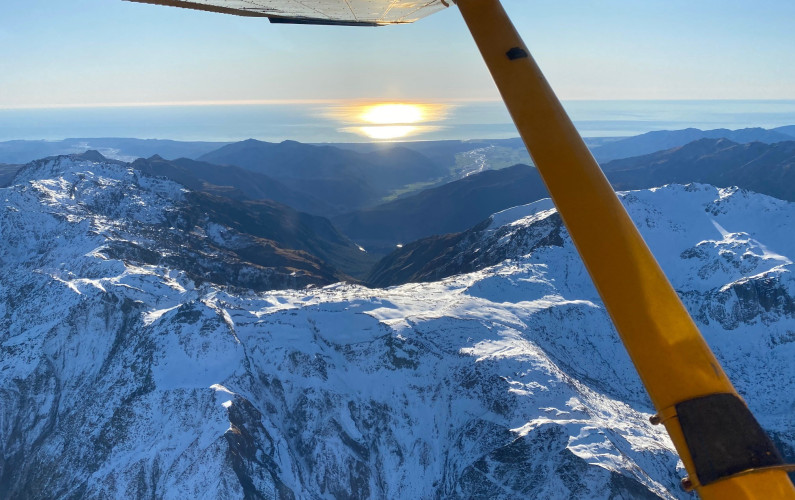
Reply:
x=386 y=132
x=385 y=121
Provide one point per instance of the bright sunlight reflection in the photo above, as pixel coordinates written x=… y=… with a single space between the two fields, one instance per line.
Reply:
x=388 y=120
x=386 y=132
x=392 y=114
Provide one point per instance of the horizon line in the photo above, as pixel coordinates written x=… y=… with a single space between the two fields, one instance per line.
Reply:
x=285 y=102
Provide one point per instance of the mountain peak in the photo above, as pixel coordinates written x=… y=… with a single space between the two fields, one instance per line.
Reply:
x=249 y=141
x=90 y=155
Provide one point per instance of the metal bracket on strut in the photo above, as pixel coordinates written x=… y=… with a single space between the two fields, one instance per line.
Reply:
x=663 y=415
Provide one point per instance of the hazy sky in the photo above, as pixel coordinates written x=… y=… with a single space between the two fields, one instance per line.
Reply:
x=87 y=52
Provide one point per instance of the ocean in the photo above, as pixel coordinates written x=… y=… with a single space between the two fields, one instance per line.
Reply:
x=321 y=122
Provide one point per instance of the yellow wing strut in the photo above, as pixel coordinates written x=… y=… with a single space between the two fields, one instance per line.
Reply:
x=694 y=398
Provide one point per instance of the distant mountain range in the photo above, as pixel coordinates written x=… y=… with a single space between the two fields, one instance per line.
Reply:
x=452 y=207
x=651 y=142
x=347 y=185
x=443 y=153
x=764 y=168
x=340 y=178
x=229 y=181
x=127 y=149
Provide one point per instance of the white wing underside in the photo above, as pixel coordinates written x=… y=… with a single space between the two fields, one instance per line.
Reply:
x=345 y=12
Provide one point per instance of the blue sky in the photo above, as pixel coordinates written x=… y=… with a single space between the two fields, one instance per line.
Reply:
x=93 y=52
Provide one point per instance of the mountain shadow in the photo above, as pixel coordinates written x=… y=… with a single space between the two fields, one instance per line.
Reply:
x=7 y=173
x=228 y=180
x=285 y=227
x=449 y=208
x=344 y=180
x=764 y=168
x=438 y=257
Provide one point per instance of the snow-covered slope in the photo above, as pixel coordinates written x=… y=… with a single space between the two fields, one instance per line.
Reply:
x=121 y=378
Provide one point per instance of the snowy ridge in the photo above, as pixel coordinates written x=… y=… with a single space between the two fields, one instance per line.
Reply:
x=125 y=379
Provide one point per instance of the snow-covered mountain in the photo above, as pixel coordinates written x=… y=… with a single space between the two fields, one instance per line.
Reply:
x=124 y=376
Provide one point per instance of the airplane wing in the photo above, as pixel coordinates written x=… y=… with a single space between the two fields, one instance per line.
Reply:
x=334 y=12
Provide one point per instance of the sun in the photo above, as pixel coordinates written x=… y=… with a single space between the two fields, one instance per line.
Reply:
x=393 y=114
x=391 y=120
x=385 y=121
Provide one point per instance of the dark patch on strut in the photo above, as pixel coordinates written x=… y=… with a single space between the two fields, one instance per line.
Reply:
x=516 y=53
x=724 y=438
